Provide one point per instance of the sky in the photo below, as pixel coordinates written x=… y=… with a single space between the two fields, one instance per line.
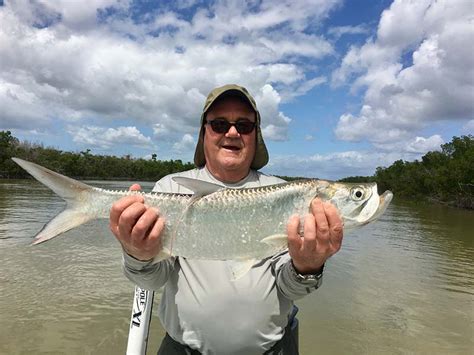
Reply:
x=343 y=87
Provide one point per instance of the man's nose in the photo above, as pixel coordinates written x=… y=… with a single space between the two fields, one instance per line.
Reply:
x=232 y=132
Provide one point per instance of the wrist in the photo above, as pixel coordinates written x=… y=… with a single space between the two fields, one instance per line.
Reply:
x=137 y=257
x=305 y=270
x=309 y=278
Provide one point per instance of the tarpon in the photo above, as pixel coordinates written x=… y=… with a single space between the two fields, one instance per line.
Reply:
x=216 y=223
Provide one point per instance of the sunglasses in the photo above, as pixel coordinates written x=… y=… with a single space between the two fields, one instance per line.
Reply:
x=220 y=125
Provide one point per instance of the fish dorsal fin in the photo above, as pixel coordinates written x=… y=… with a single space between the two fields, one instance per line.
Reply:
x=199 y=187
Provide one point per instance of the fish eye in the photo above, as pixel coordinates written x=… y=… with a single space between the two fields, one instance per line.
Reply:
x=357 y=193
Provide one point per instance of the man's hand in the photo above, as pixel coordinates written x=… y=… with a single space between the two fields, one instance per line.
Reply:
x=322 y=237
x=136 y=226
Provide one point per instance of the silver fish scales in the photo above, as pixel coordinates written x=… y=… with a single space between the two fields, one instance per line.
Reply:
x=216 y=223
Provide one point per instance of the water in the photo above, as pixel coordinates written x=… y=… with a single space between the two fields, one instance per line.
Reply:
x=402 y=285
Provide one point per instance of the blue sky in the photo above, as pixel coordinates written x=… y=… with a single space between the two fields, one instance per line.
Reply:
x=342 y=86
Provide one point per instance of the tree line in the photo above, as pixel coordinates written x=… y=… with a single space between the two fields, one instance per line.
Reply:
x=445 y=176
x=82 y=165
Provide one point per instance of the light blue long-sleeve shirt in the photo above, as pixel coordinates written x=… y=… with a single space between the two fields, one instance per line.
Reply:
x=202 y=307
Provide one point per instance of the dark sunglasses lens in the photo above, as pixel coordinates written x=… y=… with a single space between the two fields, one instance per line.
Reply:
x=220 y=126
x=223 y=126
x=244 y=127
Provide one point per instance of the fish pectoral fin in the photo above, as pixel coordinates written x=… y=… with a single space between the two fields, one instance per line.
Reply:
x=240 y=268
x=162 y=255
x=278 y=240
x=199 y=187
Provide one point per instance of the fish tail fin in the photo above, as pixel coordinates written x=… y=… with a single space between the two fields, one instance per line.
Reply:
x=72 y=191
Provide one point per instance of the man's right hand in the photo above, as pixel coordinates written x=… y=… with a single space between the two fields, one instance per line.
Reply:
x=136 y=226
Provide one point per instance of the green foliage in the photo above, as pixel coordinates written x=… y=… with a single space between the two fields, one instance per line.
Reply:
x=446 y=176
x=290 y=178
x=83 y=165
x=358 y=179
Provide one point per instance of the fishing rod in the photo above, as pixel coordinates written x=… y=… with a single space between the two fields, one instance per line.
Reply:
x=140 y=321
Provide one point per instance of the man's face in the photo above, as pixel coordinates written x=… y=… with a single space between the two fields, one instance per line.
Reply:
x=229 y=155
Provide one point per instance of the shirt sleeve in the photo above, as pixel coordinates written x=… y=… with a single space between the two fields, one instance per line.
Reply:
x=147 y=274
x=287 y=282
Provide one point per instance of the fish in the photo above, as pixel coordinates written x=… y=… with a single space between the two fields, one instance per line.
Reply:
x=216 y=223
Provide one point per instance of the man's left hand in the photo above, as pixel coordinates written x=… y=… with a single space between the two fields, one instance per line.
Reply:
x=322 y=237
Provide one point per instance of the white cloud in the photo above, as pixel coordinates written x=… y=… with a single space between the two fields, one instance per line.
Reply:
x=83 y=67
x=302 y=44
x=274 y=123
x=401 y=98
x=107 y=138
x=423 y=145
x=186 y=144
x=338 y=165
x=72 y=14
x=340 y=31
x=161 y=131
x=291 y=92
x=252 y=16
x=414 y=146
x=60 y=62
x=353 y=163
x=333 y=165
x=468 y=128
x=184 y=4
x=16 y=102
x=275 y=133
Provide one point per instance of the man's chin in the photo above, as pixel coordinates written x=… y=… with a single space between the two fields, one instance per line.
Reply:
x=229 y=154
x=232 y=162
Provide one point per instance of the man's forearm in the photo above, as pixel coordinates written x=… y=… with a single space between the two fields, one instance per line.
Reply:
x=146 y=274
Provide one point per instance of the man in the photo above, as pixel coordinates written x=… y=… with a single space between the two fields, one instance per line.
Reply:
x=202 y=309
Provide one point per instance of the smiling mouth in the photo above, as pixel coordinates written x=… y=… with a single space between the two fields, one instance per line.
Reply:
x=231 y=147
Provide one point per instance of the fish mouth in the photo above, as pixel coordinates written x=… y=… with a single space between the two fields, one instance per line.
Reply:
x=372 y=209
x=384 y=201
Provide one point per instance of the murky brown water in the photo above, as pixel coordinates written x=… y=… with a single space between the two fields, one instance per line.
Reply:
x=403 y=285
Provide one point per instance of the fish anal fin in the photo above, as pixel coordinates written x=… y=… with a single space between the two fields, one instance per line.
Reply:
x=240 y=268
x=279 y=241
x=164 y=254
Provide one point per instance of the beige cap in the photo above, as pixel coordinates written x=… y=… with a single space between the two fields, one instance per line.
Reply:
x=261 y=154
